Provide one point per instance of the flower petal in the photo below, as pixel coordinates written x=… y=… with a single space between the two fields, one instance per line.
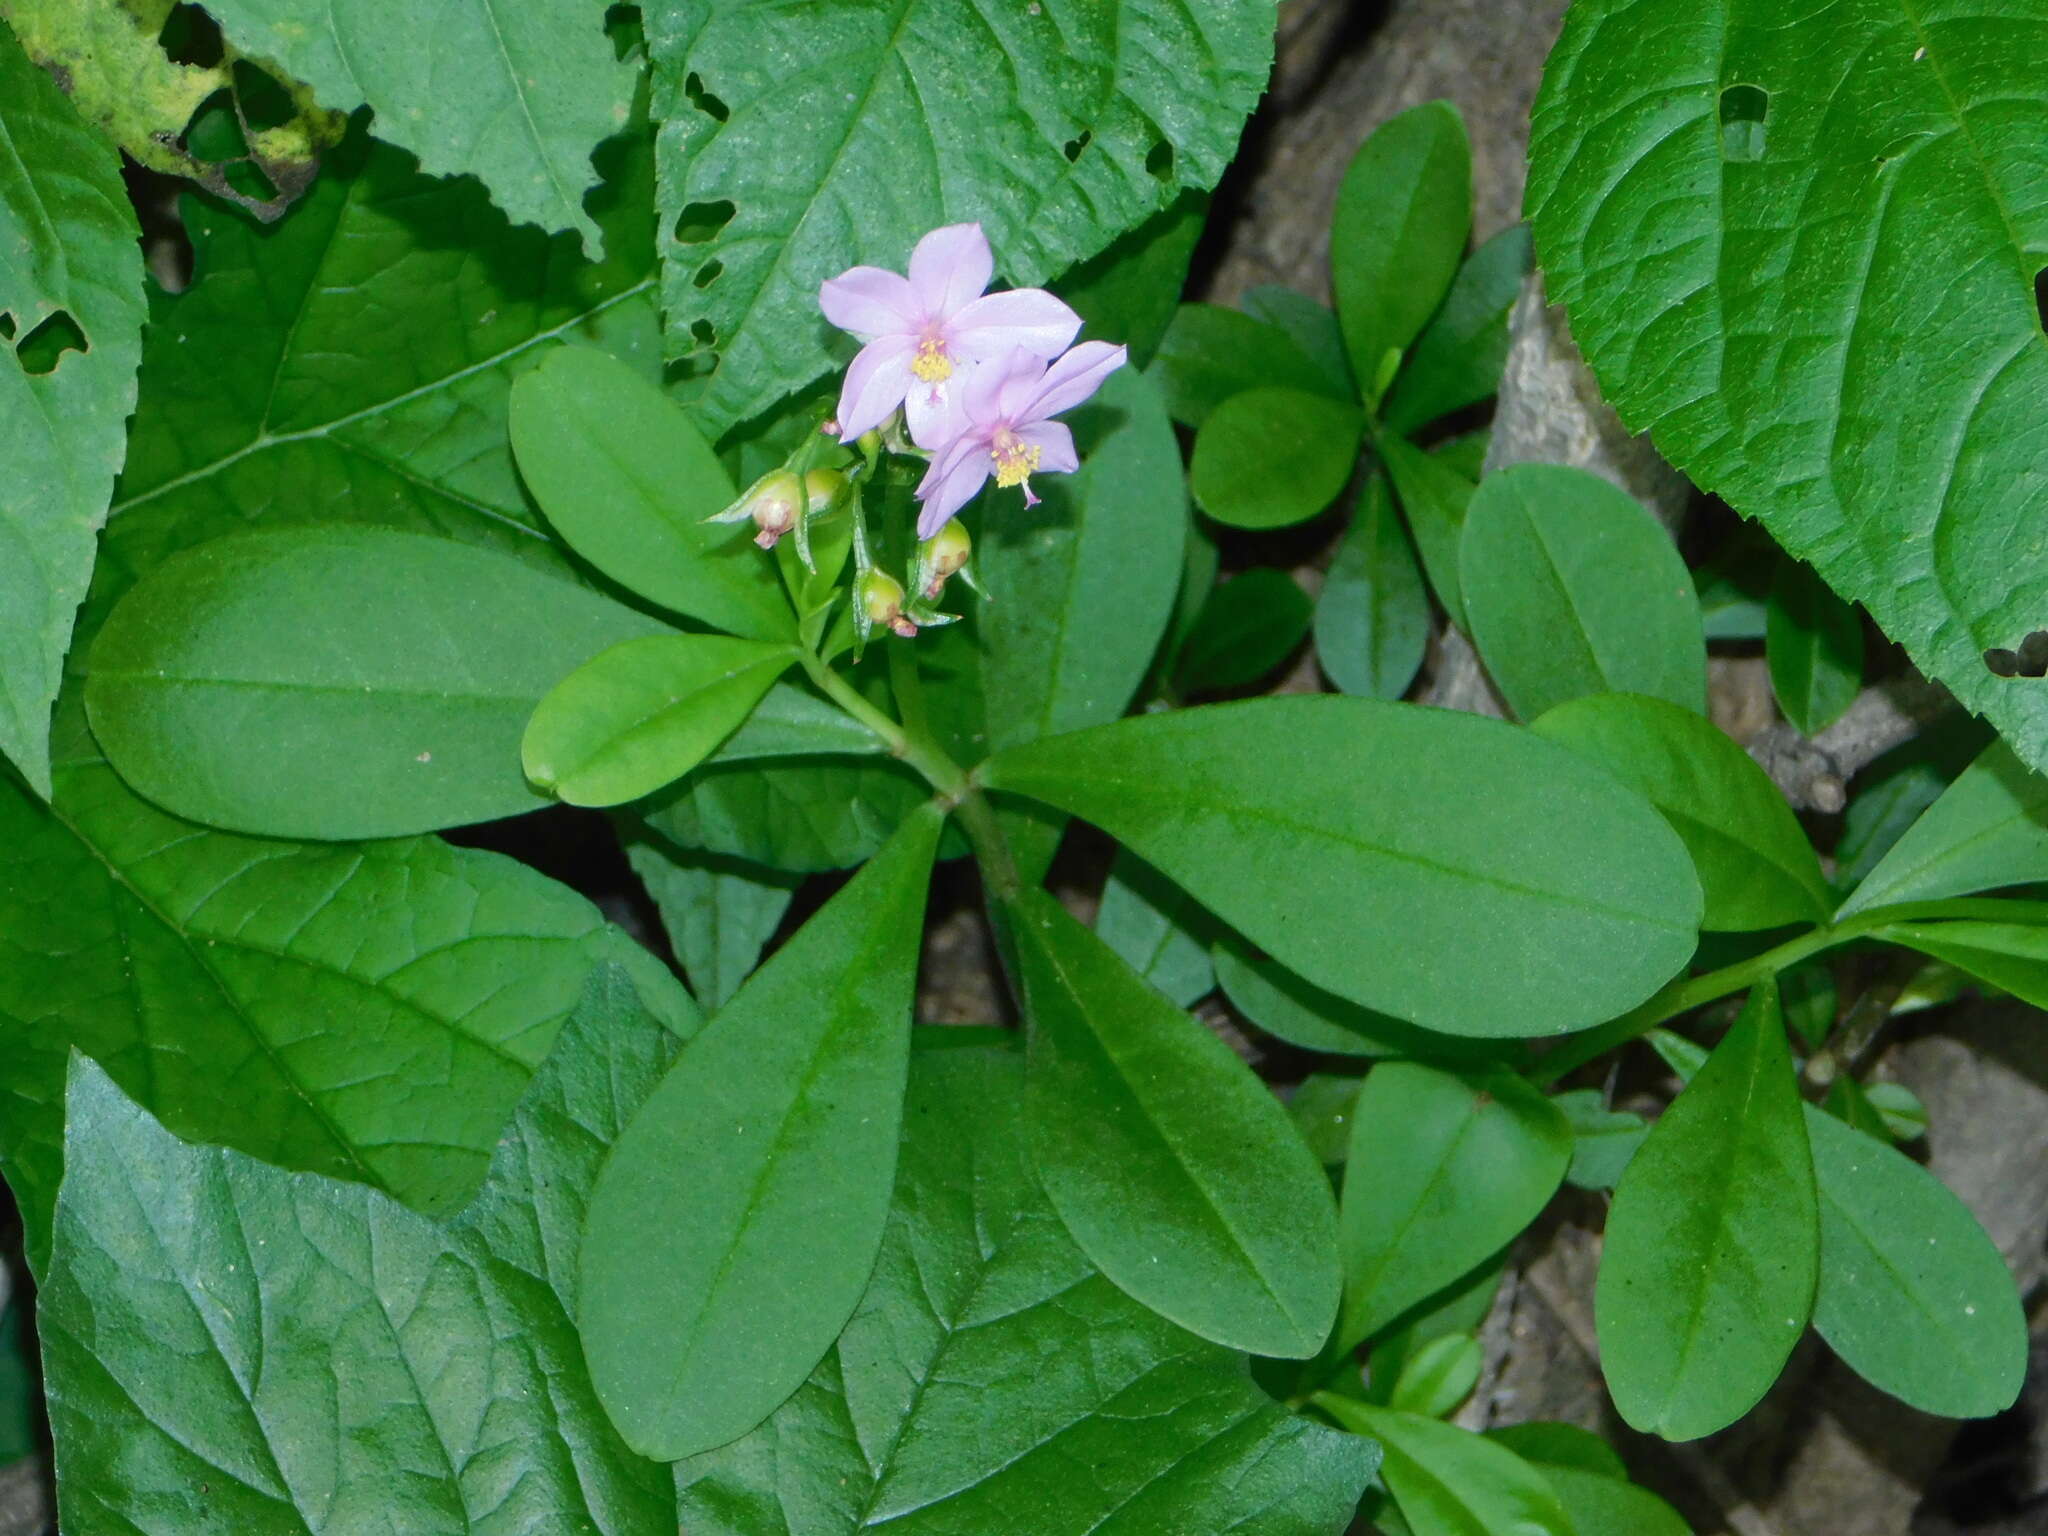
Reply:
x=875 y=385
x=982 y=394
x=869 y=302
x=952 y=481
x=1029 y=319
x=950 y=269
x=933 y=413
x=1055 y=445
x=1073 y=378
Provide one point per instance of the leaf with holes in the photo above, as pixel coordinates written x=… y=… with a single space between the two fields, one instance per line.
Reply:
x=233 y=1347
x=1804 y=256
x=368 y=1012
x=799 y=140
x=517 y=96
x=989 y=1358
x=71 y=306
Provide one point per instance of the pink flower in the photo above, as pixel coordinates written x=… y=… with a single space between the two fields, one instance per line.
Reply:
x=1002 y=425
x=922 y=330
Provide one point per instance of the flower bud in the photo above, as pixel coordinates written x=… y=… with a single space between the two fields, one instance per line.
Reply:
x=942 y=555
x=822 y=490
x=881 y=599
x=773 y=504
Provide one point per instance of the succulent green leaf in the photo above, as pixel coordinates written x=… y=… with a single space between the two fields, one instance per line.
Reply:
x=1707 y=1278
x=1175 y=1169
x=1603 y=1139
x=1291 y=1009
x=1756 y=867
x=233 y=1347
x=517 y=96
x=1357 y=841
x=339 y=682
x=988 y=1358
x=733 y=1228
x=798 y=141
x=1804 y=258
x=1914 y=1294
x=628 y=482
x=644 y=713
x=70 y=269
x=1571 y=589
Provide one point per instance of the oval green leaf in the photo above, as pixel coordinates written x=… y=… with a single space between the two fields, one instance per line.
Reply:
x=1434 y=494
x=1248 y=626
x=734 y=1225
x=2011 y=956
x=338 y=682
x=627 y=480
x=1813 y=644
x=1176 y=1170
x=1707 y=1278
x=1444 y=1170
x=1372 y=616
x=1914 y=1295
x=1358 y=841
x=1457 y=360
x=1573 y=589
x=1449 y=1481
x=1288 y=1008
x=1988 y=829
x=1211 y=354
x=1271 y=457
x=1756 y=867
x=644 y=713
x=1158 y=929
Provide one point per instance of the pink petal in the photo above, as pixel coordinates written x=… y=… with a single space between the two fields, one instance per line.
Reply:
x=1055 y=445
x=933 y=413
x=951 y=482
x=950 y=269
x=1072 y=379
x=982 y=394
x=1028 y=319
x=875 y=385
x=870 y=302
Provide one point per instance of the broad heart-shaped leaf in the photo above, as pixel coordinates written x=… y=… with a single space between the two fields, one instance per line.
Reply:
x=231 y=1347
x=1211 y=353
x=1707 y=1278
x=1914 y=1294
x=1756 y=867
x=366 y=1011
x=68 y=254
x=1274 y=456
x=1444 y=1170
x=1176 y=1170
x=800 y=815
x=1573 y=589
x=803 y=139
x=644 y=713
x=1813 y=643
x=734 y=1226
x=627 y=480
x=339 y=682
x=350 y=364
x=988 y=1360
x=1358 y=842
x=1157 y=929
x=718 y=913
x=1403 y=214
x=517 y=96
x=1988 y=829
x=1450 y=1482
x=1372 y=616
x=1829 y=316
x=1457 y=360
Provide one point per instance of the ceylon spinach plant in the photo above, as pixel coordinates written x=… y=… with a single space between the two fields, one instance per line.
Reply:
x=374 y=1181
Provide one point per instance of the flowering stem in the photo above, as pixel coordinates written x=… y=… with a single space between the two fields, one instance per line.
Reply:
x=1691 y=992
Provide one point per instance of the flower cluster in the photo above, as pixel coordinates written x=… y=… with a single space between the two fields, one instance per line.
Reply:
x=979 y=376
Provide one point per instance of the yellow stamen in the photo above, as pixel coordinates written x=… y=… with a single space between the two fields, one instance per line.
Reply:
x=931 y=363
x=1015 y=458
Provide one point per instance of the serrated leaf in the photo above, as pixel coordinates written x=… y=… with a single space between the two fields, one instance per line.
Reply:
x=734 y=1225
x=368 y=1011
x=1571 y=588
x=718 y=913
x=1451 y=1482
x=988 y=1358
x=1707 y=1277
x=68 y=258
x=1444 y=1170
x=1987 y=829
x=517 y=96
x=801 y=140
x=1756 y=867
x=640 y=715
x=1372 y=616
x=1175 y=1169
x=1827 y=317
x=233 y=1347
x=339 y=682
x=1355 y=841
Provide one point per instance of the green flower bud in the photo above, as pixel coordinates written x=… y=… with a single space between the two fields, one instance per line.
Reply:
x=822 y=490
x=773 y=504
x=942 y=555
x=881 y=599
